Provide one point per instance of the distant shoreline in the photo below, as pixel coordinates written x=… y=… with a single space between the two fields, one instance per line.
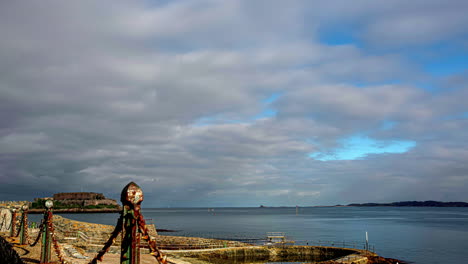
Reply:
x=394 y=204
x=413 y=204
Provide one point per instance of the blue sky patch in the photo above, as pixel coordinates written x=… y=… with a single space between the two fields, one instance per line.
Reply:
x=387 y=125
x=338 y=36
x=272 y=98
x=267 y=113
x=448 y=65
x=358 y=147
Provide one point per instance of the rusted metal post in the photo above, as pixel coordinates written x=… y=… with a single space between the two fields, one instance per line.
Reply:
x=46 y=234
x=13 y=223
x=131 y=198
x=24 y=225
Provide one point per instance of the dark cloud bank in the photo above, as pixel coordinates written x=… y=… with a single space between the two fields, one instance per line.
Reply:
x=94 y=94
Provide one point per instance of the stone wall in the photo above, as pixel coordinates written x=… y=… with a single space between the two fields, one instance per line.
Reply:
x=89 y=202
x=79 y=196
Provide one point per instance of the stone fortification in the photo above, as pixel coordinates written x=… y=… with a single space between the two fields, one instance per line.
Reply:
x=79 y=196
x=89 y=202
x=83 y=199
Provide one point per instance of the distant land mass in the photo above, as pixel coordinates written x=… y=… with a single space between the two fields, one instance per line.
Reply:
x=394 y=204
x=415 y=204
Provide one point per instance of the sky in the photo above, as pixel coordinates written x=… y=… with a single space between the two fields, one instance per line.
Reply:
x=235 y=103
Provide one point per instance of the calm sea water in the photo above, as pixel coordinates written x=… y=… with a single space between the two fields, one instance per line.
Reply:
x=419 y=235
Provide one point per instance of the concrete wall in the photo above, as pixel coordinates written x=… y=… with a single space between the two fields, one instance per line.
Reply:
x=264 y=253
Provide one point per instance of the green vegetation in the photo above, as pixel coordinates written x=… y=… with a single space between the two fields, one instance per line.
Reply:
x=100 y=206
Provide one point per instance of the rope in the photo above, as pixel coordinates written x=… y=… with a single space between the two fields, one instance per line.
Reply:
x=110 y=241
x=154 y=251
x=54 y=240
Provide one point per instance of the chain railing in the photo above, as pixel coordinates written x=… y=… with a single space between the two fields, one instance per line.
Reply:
x=131 y=224
x=41 y=230
x=54 y=242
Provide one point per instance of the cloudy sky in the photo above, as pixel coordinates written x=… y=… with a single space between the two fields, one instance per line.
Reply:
x=235 y=103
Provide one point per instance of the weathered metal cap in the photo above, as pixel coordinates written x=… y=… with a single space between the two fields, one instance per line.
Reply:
x=49 y=204
x=132 y=194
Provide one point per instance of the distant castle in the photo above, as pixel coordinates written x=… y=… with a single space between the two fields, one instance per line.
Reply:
x=83 y=199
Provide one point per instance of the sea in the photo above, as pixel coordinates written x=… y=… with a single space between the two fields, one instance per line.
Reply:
x=422 y=235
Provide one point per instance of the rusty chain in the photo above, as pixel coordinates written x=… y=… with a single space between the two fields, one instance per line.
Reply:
x=154 y=251
x=26 y=227
x=41 y=226
x=54 y=241
x=17 y=232
x=110 y=241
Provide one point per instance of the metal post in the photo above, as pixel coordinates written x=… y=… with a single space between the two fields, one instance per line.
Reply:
x=131 y=198
x=46 y=234
x=13 y=223
x=24 y=225
x=367 y=242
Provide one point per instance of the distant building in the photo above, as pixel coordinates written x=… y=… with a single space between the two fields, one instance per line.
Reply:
x=83 y=199
x=79 y=196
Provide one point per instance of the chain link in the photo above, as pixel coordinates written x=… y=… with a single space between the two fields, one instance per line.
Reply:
x=110 y=241
x=41 y=229
x=154 y=251
x=26 y=227
x=54 y=240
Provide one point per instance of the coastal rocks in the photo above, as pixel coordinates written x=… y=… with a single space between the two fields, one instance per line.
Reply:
x=72 y=252
x=382 y=260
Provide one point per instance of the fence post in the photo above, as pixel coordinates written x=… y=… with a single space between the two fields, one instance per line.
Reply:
x=46 y=233
x=13 y=223
x=131 y=198
x=24 y=225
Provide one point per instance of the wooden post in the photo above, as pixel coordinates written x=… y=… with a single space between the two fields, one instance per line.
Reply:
x=131 y=198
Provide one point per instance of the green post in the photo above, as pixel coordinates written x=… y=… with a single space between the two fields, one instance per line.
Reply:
x=131 y=198
x=46 y=234
x=24 y=225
